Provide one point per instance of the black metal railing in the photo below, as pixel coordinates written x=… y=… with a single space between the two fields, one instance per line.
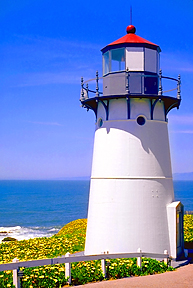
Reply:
x=85 y=90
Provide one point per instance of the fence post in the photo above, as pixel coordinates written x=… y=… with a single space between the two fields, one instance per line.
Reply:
x=166 y=259
x=103 y=266
x=68 y=269
x=16 y=279
x=139 y=258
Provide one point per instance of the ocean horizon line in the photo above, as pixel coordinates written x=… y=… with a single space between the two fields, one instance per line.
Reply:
x=181 y=176
x=48 y=179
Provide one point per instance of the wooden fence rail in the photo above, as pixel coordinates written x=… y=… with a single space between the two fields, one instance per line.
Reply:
x=70 y=258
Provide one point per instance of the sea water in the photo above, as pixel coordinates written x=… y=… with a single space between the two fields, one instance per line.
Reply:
x=183 y=191
x=31 y=209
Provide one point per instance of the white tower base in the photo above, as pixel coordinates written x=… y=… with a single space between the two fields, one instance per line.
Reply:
x=131 y=190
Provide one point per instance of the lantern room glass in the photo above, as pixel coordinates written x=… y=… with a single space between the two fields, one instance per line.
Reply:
x=118 y=59
x=106 y=68
x=114 y=60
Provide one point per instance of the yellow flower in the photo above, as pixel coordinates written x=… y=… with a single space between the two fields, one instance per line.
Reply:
x=61 y=269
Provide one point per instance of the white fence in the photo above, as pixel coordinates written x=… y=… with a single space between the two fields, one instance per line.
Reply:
x=70 y=258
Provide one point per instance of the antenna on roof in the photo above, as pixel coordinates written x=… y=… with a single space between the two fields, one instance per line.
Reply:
x=130 y=15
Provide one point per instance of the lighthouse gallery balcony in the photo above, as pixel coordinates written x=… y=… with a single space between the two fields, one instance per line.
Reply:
x=126 y=84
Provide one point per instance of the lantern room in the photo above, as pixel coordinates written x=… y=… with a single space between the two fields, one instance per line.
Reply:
x=135 y=56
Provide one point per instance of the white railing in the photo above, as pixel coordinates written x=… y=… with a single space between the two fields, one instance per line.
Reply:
x=70 y=258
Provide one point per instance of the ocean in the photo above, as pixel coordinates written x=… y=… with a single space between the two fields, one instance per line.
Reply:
x=30 y=209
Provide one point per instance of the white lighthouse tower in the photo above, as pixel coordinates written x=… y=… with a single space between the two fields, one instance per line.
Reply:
x=131 y=202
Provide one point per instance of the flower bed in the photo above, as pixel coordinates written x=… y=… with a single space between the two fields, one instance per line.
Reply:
x=188 y=228
x=71 y=238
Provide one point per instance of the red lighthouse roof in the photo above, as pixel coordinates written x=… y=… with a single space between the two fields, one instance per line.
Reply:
x=131 y=40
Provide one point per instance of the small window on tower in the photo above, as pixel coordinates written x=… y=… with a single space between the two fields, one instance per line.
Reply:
x=141 y=120
x=100 y=122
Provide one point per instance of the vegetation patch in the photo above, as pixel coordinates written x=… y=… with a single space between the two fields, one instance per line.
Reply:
x=71 y=238
x=7 y=239
x=188 y=228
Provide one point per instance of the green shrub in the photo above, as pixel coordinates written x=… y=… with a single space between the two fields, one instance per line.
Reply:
x=7 y=239
x=44 y=277
x=188 y=228
x=119 y=268
x=85 y=272
x=6 y=279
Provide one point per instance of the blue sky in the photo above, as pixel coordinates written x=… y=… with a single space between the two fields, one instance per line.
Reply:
x=45 y=48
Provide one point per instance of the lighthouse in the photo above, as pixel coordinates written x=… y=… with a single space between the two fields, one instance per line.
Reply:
x=131 y=200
